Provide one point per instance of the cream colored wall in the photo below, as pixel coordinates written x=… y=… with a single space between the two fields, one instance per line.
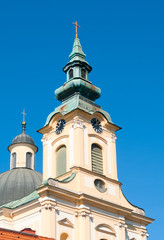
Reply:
x=21 y=150
x=78 y=136
x=57 y=212
x=94 y=215
x=28 y=216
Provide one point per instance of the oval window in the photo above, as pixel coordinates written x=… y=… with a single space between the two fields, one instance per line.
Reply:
x=100 y=185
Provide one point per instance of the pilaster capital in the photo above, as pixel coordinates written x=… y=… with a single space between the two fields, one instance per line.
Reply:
x=49 y=206
x=113 y=138
x=123 y=225
x=85 y=212
x=44 y=140
x=78 y=124
x=144 y=234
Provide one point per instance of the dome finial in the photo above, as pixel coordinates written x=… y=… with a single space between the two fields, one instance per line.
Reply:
x=76 y=25
x=24 y=122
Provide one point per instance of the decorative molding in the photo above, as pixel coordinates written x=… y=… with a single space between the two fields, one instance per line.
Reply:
x=66 y=222
x=52 y=182
x=68 y=179
x=49 y=206
x=123 y=225
x=106 y=229
x=78 y=124
x=144 y=234
x=83 y=214
x=113 y=138
x=59 y=138
x=44 y=140
x=95 y=174
x=96 y=136
x=139 y=211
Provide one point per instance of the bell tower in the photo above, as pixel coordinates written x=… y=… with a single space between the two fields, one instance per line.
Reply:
x=79 y=165
x=78 y=133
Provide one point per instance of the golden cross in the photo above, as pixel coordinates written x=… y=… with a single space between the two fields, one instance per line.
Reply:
x=76 y=28
x=23 y=113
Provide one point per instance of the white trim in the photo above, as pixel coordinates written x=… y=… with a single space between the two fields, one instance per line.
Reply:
x=49 y=158
x=71 y=147
x=109 y=155
x=42 y=199
x=86 y=146
x=117 y=231
x=92 y=229
x=34 y=216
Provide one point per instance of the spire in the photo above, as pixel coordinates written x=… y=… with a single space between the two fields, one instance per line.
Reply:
x=77 y=72
x=77 y=92
x=77 y=52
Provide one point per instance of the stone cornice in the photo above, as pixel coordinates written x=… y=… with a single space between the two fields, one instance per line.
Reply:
x=96 y=174
x=81 y=198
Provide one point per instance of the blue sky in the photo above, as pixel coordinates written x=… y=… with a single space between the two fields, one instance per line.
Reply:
x=124 y=43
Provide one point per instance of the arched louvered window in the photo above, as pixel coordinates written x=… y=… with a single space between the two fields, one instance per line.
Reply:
x=97 y=159
x=28 y=159
x=83 y=73
x=61 y=160
x=70 y=73
x=14 y=160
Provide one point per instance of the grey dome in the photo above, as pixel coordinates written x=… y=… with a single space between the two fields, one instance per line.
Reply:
x=18 y=183
x=23 y=138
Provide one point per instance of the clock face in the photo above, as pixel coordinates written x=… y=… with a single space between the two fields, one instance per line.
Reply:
x=96 y=125
x=60 y=126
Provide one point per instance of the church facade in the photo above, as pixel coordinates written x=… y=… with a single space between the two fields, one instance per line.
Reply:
x=79 y=196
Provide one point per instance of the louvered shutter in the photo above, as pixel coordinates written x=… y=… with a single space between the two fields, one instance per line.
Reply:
x=97 y=160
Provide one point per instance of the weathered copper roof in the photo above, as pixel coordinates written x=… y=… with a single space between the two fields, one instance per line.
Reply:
x=18 y=183
x=23 y=138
